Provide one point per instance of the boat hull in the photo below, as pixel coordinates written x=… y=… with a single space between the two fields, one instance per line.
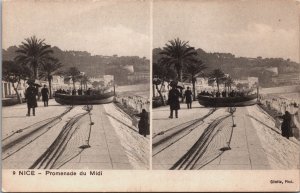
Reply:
x=228 y=101
x=84 y=99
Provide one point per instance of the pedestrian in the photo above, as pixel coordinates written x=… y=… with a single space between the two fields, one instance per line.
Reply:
x=144 y=123
x=45 y=95
x=74 y=91
x=286 y=125
x=188 y=97
x=89 y=91
x=173 y=100
x=30 y=96
x=80 y=91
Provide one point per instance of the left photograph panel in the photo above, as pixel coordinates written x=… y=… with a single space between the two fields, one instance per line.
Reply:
x=75 y=84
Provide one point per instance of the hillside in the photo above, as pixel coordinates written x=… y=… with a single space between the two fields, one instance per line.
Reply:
x=240 y=67
x=93 y=65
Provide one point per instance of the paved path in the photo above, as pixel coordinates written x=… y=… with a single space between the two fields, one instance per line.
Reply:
x=202 y=139
x=246 y=150
x=74 y=142
x=105 y=152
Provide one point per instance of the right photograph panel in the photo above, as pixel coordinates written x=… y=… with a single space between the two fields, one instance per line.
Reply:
x=226 y=85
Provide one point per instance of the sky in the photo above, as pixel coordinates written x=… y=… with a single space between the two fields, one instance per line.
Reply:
x=100 y=27
x=249 y=28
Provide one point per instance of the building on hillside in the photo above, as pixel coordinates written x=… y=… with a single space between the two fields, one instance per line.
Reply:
x=250 y=82
x=284 y=79
x=138 y=77
x=129 y=68
x=106 y=79
x=58 y=83
x=274 y=70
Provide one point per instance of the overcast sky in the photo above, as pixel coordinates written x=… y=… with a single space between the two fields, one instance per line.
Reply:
x=99 y=27
x=245 y=28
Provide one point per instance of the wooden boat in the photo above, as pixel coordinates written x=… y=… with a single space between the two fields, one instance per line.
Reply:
x=66 y=99
x=209 y=101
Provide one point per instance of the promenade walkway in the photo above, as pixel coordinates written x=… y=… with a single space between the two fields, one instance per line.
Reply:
x=204 y=138
x=76 y=140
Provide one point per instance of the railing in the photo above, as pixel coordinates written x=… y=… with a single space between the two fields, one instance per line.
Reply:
x=280 y=104
x=136 y=102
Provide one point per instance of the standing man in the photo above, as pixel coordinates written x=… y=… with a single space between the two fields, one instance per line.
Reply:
x=45 y=95
x=173 y=100
x=188 y=97
x=30 y=96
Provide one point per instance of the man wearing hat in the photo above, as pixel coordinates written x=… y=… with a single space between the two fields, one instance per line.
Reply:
x=45 y=95
x=30 y=96
x=173 y=99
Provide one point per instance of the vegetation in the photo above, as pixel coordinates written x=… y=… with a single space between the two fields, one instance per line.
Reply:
x=235 y=66
x=228 y=82
x=33 y=52
x=14 y=72
x=97 y=84
x=192 y=71
x=218 y=76
x=84 y=80
x=74 y=74
x=162 y=74
x=48 y=69
x=177 y=54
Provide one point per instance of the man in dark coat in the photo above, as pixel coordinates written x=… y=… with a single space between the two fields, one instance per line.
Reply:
x=45 y=95
x=173 y=101
x=144 y=123
x=188 y=97
x=30 y=96
x=286 y=125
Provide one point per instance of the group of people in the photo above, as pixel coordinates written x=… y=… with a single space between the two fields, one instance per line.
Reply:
x=135 y=102
x=223 y=94
x=74 y=91
x=31 y=94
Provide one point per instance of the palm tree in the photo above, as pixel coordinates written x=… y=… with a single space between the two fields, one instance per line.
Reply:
x=192 y=71
x=84 y=79
x=228 y=83
x=33 y=52
x=177 y=53
x=48 y=69
x=218 y=76
x=74 y=74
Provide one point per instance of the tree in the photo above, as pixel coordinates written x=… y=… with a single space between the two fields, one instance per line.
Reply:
x=241 y=86
x=48 y=69
x=161 y=74
x=33 y=52
x=84 y=79
x=218 y=76
x=14 y=72
x=97 y=84
x=177 y=53
x=192 y=71
x=74 y=74
x=228 y=81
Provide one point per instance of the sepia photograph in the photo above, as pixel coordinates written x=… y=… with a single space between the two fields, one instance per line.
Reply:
x=75 y=85
x=150 y=95
x=226 y=85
